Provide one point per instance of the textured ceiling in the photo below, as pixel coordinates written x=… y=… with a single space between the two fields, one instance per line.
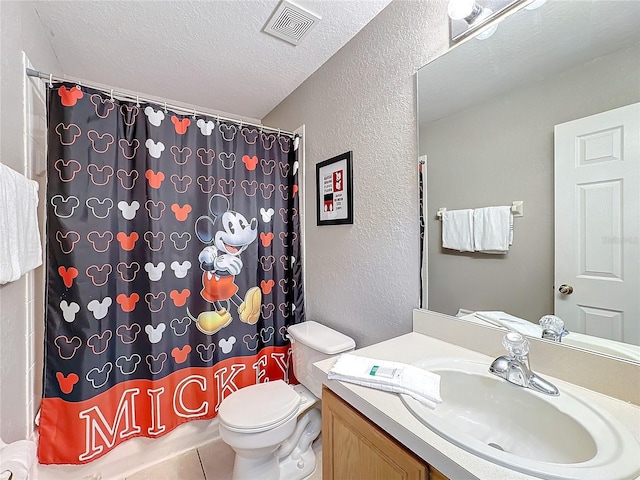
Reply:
x=212 y=54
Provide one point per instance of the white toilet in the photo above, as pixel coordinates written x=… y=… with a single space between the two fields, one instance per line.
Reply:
x=271 y=425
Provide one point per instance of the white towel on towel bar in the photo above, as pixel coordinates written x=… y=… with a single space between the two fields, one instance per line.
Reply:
x=457 y=230
x=388 y=376
x=492 y=229
x=20 y=247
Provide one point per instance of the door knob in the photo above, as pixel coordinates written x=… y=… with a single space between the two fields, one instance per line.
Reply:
x=565 y=289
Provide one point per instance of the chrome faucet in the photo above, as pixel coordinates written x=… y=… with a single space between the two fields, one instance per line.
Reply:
x=553 y=328
x=514 y=367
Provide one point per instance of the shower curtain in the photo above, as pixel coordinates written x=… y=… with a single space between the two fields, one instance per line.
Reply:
x=173 y=268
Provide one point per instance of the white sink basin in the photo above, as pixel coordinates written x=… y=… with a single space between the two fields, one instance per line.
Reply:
x=550 y=437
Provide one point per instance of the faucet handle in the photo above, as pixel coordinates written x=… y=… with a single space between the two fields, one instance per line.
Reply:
x=553 y=323
x=516 y=344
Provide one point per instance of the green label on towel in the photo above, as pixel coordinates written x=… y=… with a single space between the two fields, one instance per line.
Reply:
x=378 y=371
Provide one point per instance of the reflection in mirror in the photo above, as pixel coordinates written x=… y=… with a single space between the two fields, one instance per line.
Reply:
x=487 y=113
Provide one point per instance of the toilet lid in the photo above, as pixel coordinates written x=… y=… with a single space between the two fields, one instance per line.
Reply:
x=259 y=407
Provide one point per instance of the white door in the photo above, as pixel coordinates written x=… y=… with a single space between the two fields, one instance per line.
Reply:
x=597 y=224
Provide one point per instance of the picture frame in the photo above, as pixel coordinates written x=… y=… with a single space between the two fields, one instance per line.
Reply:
x=334 y=190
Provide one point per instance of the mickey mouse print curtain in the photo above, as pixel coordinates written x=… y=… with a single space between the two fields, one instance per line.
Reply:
x=173 y=268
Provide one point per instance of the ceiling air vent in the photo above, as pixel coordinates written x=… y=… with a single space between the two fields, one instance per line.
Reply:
x=291 y=23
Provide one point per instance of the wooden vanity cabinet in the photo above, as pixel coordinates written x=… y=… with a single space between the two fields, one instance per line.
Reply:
x=353 y=448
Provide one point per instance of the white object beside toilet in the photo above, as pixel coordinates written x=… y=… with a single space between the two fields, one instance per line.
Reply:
x=272 y=425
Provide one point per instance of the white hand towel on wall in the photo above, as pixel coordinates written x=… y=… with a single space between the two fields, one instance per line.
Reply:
x=388 y=376
x=492 y=229
x=457 y=230
x=20 y=248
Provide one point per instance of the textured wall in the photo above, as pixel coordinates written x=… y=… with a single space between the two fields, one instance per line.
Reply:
x=364 y=279
x=20 y=31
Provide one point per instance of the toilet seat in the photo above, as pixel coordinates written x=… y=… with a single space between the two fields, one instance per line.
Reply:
x=259 y=407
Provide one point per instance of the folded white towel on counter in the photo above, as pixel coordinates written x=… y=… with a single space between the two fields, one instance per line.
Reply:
x=492 y=229
x=17 y=458
x=20 y=247
x=388 y=376
x=502 y=319
x=457 y=230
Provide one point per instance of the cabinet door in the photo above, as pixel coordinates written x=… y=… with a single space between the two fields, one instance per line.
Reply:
x=435 y=474
x=355 y=449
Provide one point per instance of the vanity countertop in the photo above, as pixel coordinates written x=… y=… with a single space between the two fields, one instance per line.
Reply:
x=389 y=412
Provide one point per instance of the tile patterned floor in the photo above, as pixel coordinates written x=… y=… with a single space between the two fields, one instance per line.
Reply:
x=210 y=462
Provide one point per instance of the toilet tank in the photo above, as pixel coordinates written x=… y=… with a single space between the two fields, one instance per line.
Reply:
x=310 y=343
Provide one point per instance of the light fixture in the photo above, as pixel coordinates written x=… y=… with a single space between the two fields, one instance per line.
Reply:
x=479 y=18
x=467 y=10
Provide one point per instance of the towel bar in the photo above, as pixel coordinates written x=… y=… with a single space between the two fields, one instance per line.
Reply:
x=517 y=208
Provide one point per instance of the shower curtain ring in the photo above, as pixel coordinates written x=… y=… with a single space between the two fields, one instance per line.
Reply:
x=278 y=133
x=51 y=80
x=165 y=107
x=111 y=95
x=194 y=114
x=137 y=101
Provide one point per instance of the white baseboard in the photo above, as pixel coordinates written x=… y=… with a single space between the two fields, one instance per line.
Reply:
x=134 y=455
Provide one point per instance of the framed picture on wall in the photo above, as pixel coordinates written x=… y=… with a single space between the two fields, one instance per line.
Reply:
x=334 y=190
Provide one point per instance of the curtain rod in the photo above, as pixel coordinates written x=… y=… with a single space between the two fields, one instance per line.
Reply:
x=138 y=98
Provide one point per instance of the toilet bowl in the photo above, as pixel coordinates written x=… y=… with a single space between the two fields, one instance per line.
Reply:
x=272 y=425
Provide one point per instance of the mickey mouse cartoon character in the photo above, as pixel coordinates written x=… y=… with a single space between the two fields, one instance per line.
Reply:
x=227 y=234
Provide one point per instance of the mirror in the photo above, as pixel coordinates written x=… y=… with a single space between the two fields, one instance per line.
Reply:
x=486 y=116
